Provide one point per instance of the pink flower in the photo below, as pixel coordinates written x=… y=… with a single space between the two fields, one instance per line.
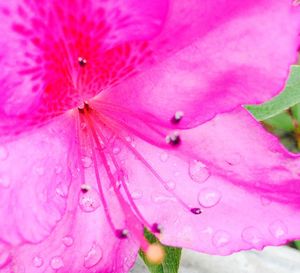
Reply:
x=121 y=114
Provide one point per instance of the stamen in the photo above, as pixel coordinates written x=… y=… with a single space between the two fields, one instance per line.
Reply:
x=82 y=61
x=122 y=233
x=196 y=211
x=123 y=183
x=156 y=228
x=85 y=188
x=177 y=117
x=155 y=174
x=173 y=139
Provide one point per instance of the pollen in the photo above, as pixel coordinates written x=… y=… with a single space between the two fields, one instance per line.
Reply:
x=82 y=61
x=155 y=254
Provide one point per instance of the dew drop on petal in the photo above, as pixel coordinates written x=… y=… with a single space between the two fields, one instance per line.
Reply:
x=265 y=201
x=83 y=125
x=160 y=198
x=37 y=261
x=116 y=150
x=86 y=162
x=3 y=153
x=62 y=190
x=209 y=197
x=93 y=256
x=171 y=185
x=198 y=171
x=39 y=170
x=89 y=201
x=252 y=236
x=68 y=241
x=56 y=262
x=164 y=157
x=278 y=229
x=4 y=181
x=136 y=195
x=221 y=238
x=4 y=258
x=58 y=169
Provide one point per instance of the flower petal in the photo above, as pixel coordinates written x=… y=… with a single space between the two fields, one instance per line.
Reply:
x=34 y=181
x=81 y=242
x=46 y=44
x=224 y=57
x=244 y=182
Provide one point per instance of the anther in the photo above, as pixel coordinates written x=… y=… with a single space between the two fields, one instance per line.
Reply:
x=196 y=211
x=82 y=61
x=177 y=117
x=173 y=139
x=84 y=106
x=85 y=188
x=156 y=228
x=122 y=233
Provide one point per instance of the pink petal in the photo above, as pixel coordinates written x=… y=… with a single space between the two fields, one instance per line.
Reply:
x=34 y=181
x=241 y=178
x=81 y=242
x=41 y=74
x=228 y=53
x=61 y=227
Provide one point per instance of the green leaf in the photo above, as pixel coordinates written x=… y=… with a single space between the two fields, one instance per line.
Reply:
x=289 y=97
x=297 y=244
x=171 y=260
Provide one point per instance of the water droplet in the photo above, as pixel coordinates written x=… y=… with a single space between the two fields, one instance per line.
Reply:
x=89 y=201
x=56 y=262
x=176 y=174
x=58 y=169
x=265 y=201
x=253 y=236
x=39 y=170
x=83 y=125
x=68 y=241
x=164 y=157
x=208 y=197
x=198 y=171
x=233 y=159
x=160 y=198
x=86 y=161
x=128 y=139
x=62 y=190
x=37 y=261
x=4 y=181
x=171 y=185
x=3 y=153
x=116 y=150
x=136 y=195
x=278 y=229
x=221 y=238
x=4 y=258
x=93 y=256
